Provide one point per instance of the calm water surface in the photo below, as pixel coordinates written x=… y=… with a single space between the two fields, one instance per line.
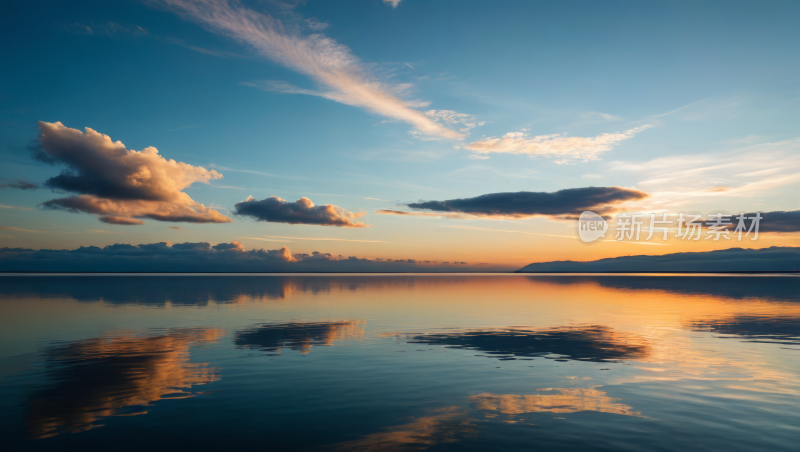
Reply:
x=401 y=362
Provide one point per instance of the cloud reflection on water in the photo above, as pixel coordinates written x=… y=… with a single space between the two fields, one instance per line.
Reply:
x=595 y=343
x=450 y=425
x=666 y=330
x=146 y=290
x=453 y=424
x=754 y=328
x=564 y=400
x=191 y=290
x=116 y=376
x=300 y=336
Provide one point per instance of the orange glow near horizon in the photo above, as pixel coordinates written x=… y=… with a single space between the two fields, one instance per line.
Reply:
x=511 y=247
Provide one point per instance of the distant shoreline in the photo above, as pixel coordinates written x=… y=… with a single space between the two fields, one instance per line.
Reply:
x=516 y=272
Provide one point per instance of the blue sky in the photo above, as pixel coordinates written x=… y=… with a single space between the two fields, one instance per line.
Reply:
x=711 y=91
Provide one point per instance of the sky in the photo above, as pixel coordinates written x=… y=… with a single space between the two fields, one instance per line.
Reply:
x=449 y=131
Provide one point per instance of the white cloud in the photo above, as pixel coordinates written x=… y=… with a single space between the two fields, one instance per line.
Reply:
x=280 y=86
x=597 y=114
x=393 y=3
x=316 y=25
x=743 y=172
x=302 y=211
x=110 y=29
x=118 y=183
x=702 y=110
x=554 y=146
x=330 y=64
x=454 y=119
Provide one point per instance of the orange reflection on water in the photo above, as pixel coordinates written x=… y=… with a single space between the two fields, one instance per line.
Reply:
x=669 y=324
x=450 y=425
x=566 y=400
x=101 y=377
x=453 y=424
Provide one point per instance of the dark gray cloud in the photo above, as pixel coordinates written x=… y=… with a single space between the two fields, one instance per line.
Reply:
x=777 y=259
x=569 y=202
x=302 y=211
x=779 y=221
x=17 y=183
x=38 y=154
x=114 y=182
x=198 y=257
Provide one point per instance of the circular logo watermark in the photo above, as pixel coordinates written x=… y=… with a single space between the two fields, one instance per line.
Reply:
x=591 y=227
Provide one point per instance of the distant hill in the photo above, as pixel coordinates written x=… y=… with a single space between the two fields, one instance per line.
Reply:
x=773 y=259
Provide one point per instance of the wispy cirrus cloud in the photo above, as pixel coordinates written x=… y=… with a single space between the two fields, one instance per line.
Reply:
x=781 y=221
x=701 y=110
x=9 y=228
x=302 y=211
x=315 y=239
x=745 y=172
x=181 y=128
x=420 y=214
x=118 y=184
x=315 y=25
x=203 y=50
x=553 y=146
x=598 y=114
x=283 y=87
x=348 y=196
x=475 y=228
x=120 y=220
x=110 y=29
x=455 y=119
x=571 y=237
x=392 y=3
x=343 y=77
x=260 y=173
x=17 y=183
x=117 y=31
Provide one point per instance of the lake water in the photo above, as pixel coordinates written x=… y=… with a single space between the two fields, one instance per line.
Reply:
x=400 y=362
